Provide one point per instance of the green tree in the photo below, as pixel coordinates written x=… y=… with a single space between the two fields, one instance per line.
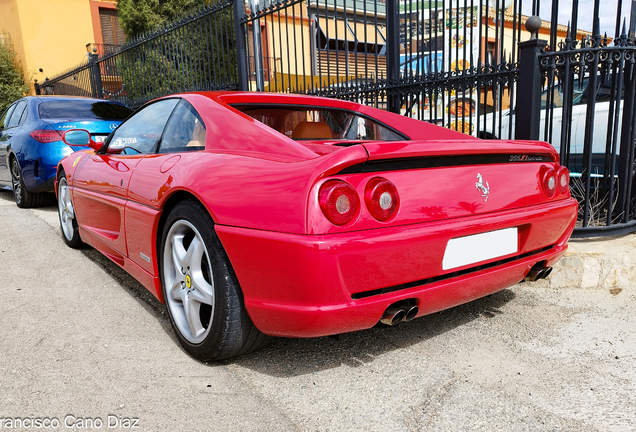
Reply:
x=12 y=85
x=197 y=55
x=139 y=16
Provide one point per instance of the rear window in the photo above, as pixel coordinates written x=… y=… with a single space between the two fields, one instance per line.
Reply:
x=320 y=123
x=78 y=109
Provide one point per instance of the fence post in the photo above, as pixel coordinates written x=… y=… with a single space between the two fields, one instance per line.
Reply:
x=36 y=86
x=258 y=49
x=392 y=53
x=528 y=109
x=96 y=75
x=241 y=49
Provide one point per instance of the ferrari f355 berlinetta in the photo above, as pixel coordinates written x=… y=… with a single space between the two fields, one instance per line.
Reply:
x=255 y=215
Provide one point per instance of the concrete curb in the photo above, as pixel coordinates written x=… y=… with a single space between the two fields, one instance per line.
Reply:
x=606 y=263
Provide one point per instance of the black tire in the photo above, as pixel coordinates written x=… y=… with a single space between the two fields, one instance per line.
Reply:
x=24 y=198
x=217 y=325
x=66 y=215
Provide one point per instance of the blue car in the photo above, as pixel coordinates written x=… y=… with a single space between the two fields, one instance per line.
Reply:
x=31 y=139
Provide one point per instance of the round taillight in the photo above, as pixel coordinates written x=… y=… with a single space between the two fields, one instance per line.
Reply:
x=549 y=182
x=339 y=201
x=382 y=199
x=563 y=179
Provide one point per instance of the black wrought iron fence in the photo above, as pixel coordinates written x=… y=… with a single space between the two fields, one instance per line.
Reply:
x=76 y=81
x=195 y=53
x=102 y=49
x=585 y=106
x=455 y=63
x=447 y=62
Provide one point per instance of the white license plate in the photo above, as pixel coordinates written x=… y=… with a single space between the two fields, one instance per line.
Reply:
x=99 y=138
x=476 y=248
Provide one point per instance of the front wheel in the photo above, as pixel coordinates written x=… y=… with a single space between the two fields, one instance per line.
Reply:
x=66 y=212
x=200 y=288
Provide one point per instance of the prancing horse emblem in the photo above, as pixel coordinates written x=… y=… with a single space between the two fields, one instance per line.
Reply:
x=484 y=189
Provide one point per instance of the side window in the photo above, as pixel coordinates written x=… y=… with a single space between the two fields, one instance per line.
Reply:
x=7 y=116
x=25 y=115
x=580 y=91
x=365 y=129
x=185 y=130
x=556 y=98
x=17 y=114
x=141 y=132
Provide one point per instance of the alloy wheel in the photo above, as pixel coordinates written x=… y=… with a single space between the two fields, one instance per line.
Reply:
x=16 y=181
x=189 y=281
x=65 y=209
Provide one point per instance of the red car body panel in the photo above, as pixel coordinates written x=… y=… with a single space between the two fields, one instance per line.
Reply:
x=300 y=274
x=313 y=295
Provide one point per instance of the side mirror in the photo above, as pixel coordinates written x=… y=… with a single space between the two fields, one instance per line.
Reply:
x=80 y=138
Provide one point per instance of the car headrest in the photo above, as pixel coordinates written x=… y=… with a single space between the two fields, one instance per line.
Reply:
x=312 y=130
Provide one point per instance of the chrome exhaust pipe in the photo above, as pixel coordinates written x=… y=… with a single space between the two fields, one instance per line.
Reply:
x=392 y=316
x=537 y=273
x=534 y=274
x=409 y=312
x=546 y=273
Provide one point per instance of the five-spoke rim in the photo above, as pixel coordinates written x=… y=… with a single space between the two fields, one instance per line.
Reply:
x=65 y=209
x=188 y=280
x=15 y=176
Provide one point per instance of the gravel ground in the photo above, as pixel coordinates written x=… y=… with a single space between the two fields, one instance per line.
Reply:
x=81 y=338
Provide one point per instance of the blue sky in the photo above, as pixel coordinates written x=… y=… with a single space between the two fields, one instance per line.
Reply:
x=608 y=10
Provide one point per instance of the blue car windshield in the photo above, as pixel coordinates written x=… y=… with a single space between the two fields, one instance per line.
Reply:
x=83 y=109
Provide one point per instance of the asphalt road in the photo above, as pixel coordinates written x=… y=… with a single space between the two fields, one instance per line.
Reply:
x=83 y=344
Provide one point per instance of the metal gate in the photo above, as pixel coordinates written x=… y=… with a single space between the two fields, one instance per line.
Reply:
x=197 y=52
x=469 y=65
x=584 y=105
x=449 y=62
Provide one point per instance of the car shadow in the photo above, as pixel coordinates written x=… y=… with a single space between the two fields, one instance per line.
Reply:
x=6 y=195
x=50 y=206
x=135 y=289
x=50 y=203
x=284 y=357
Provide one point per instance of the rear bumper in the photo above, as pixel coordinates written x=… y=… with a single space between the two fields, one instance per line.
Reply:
x=317 y=285
x=40 y=167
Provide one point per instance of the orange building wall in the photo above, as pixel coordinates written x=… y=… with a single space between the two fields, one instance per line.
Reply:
x=51 y=37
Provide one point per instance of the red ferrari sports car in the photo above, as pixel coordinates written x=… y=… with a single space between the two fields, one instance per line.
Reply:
x=255 y=214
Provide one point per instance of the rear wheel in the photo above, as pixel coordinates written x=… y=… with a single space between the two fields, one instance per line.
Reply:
x=66 y=212
x=24 y=198
x=200 y=289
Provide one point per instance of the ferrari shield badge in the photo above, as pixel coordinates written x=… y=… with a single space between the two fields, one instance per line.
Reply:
x=482 y=187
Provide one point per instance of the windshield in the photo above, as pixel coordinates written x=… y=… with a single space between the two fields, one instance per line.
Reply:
x=319 y=123
x=557 y=97
x=83 y=109
x=580 y=92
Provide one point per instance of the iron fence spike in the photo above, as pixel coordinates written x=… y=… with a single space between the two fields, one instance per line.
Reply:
x=623 y=33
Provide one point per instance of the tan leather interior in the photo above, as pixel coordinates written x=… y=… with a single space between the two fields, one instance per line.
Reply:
x=311 y=130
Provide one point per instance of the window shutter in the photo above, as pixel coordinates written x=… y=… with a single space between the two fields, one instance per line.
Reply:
x=112 y=33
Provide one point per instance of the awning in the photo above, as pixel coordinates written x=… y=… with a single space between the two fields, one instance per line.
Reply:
x=351 y=31
x=369 y=33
